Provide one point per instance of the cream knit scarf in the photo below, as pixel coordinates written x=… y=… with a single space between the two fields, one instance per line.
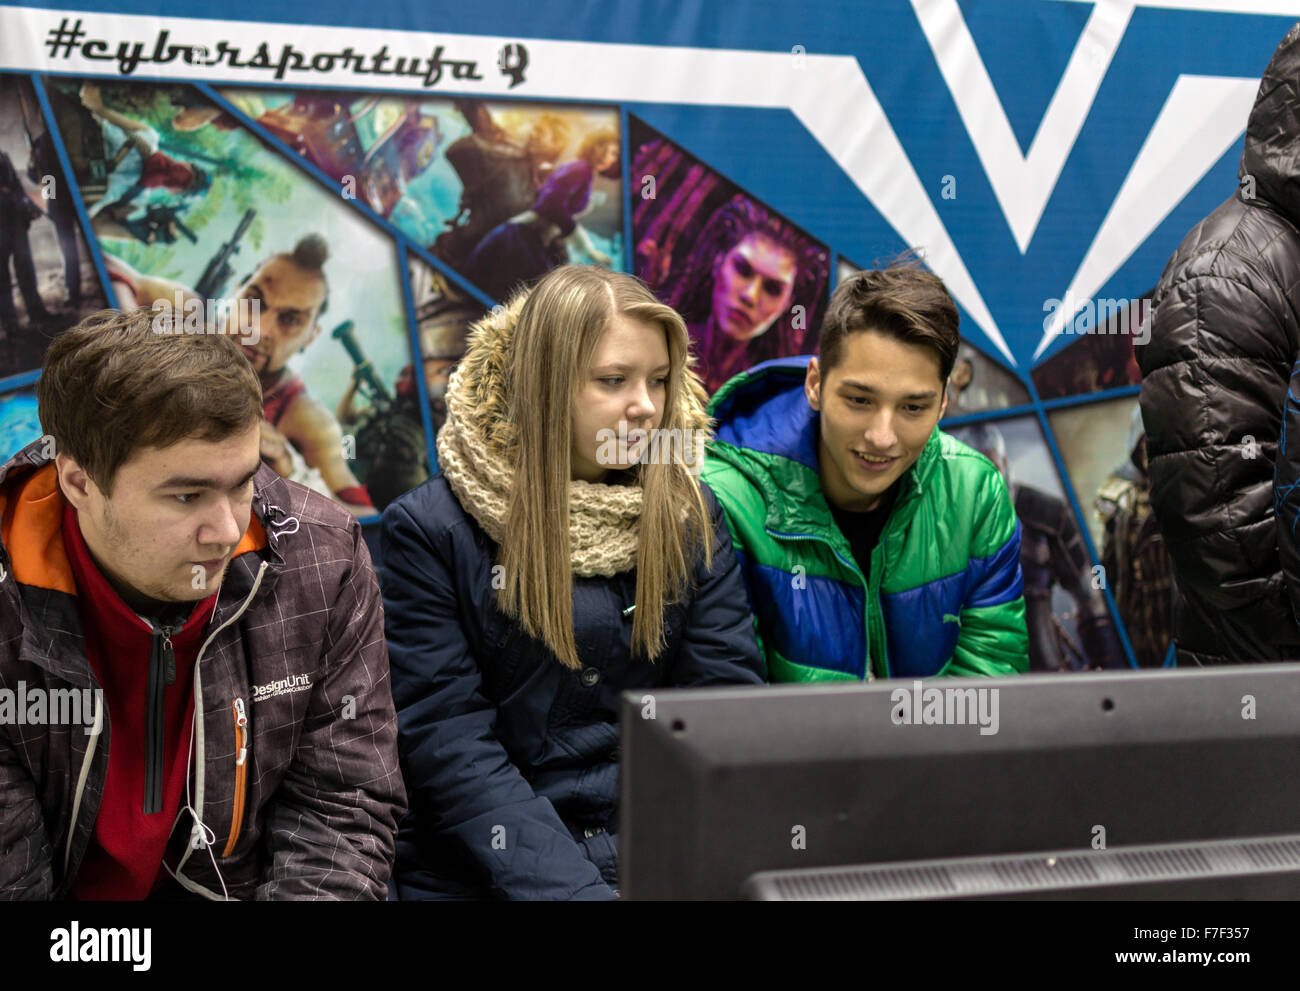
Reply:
x=475 y=452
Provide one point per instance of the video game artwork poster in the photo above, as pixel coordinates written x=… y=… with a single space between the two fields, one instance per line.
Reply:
x=191 y=209
x=500 y=192
x=750 y=285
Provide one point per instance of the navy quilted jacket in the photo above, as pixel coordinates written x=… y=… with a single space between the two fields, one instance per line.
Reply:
x=510 y=758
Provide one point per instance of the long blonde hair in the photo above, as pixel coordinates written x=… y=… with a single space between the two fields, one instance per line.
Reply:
x=555 y=336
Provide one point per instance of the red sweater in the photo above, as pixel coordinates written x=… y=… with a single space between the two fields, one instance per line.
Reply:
x=124 y=859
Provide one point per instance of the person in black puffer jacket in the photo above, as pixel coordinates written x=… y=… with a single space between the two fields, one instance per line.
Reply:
x=540 y=574
x=1225 y=336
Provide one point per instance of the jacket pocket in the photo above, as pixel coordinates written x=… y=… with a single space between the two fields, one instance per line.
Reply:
x=242 y=739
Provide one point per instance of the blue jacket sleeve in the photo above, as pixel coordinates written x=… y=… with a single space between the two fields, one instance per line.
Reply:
x=460 y=779
x=992 y=638
x=719 y=646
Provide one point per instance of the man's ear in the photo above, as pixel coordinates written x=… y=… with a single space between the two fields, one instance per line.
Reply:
x=943 y=405
x=812 y=385
x=73 y=481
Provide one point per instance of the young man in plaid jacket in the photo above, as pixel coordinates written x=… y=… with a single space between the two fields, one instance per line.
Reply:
x=194 y=693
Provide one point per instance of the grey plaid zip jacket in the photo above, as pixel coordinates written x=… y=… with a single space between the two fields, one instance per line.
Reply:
x=294 y=790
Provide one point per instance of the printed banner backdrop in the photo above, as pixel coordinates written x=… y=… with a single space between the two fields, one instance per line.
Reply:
x=47 y=279
x=19 y=423
x=1043 y=157
x=443 y=318
x=750 y=285
x=472 y=182
x=192 y=202
x=1070 y=628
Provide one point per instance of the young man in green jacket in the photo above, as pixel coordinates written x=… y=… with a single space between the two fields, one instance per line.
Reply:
x=872 y=543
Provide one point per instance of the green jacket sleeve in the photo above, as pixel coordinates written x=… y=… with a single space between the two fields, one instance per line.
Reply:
x=993 y=639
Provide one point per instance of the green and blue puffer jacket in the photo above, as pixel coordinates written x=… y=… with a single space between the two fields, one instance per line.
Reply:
x=945 y=593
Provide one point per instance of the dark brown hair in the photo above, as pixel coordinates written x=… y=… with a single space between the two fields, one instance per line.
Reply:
x=903 y=301
x=120 y=381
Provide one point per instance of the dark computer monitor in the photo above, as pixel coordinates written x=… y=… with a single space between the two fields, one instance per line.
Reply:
x=721 y=784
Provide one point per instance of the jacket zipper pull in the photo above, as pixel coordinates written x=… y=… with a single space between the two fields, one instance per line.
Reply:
x=241 y=775
x=169 y=655
x=241 y=720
